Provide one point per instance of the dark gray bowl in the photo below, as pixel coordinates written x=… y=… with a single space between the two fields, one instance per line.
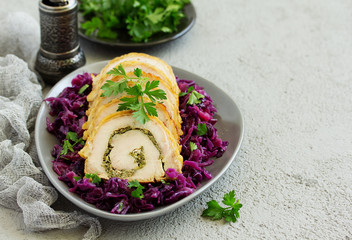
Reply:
x=124 y=40
x=229 y=125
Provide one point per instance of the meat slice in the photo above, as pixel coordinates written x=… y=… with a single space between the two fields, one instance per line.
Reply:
x=113 y=105
x=123 y=147
x=163 y=68
x=172 y=110
x=171 y=103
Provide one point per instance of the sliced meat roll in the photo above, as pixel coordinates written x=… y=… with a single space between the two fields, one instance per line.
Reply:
x=171 y=103
x=170 y=94
x=125 y=148
x=164 y=69
x=129 y=67
x=112 y=107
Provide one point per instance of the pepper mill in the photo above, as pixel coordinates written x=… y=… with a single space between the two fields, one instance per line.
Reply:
x=60 y=52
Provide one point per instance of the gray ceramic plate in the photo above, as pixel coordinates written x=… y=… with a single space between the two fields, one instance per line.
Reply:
x=229 y=125
x=124 y=39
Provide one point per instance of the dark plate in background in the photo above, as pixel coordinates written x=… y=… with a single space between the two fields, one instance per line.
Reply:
x=124 y=39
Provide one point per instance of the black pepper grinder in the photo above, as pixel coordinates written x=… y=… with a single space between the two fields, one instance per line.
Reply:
x=60 y=52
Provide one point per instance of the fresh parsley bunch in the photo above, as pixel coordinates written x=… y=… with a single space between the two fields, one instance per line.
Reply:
x=141 y=19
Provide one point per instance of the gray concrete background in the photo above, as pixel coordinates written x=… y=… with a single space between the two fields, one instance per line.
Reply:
x=287 y=65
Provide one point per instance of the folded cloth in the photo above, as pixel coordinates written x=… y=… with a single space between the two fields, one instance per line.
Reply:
x=23 y=185
x=20 y=36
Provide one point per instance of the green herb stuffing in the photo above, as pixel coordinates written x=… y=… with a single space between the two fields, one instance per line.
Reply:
x=230 y=213
x=137 y=154
x=136 y=100
x=138 y=192
x=139 y=157
x=70 y=141
x=139 y=19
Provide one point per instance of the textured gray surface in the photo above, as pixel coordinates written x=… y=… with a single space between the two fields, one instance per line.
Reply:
x=286 y=63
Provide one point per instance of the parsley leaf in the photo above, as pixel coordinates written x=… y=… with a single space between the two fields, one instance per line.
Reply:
x=91 y=26
x=128 y=103
x=192 y=146
x=138 y=72
x=135 y=101
x=216 y=212
x=150 y=108
x=76 y=178
x=201 y=129
x=156 y=94
x=113 y=88
x=67 y=146
x=194 y=97
x=229 y=198
x=138 y=192
x=140 y=114
x=181 y=94
x=97 y=26
x=83 y=88
x=93 y=177
x=164 y=182
x=190 y=89
x=70 y=137
x=119 y=71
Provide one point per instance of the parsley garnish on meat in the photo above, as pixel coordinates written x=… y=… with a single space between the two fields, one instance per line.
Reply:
x=135 y=101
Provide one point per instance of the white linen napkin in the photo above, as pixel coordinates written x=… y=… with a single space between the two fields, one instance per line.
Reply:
x=23 y=185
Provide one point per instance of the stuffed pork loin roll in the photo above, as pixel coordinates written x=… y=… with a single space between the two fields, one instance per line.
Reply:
x=123 y=147
x=119 y=145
